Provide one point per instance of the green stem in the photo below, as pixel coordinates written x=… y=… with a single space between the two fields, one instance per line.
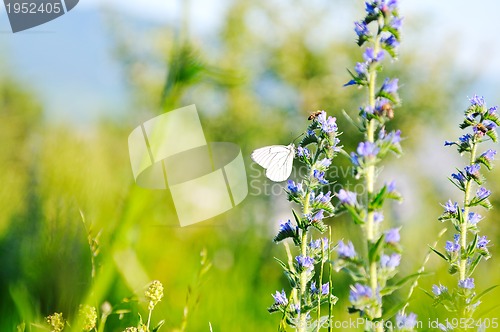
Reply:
x=318 y=309
x=303 y=274
x=463 y=226
x=370 y=179
x=330 y=279
x=149 y=318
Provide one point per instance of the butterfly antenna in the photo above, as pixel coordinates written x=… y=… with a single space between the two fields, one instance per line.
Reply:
x=296 y=138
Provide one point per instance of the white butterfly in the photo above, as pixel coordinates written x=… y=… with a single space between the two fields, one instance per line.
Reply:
x=277 y=160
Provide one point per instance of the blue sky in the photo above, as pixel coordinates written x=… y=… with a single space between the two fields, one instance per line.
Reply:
x=77 y=42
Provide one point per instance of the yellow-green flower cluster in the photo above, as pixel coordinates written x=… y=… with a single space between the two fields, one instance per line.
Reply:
x=154 y=294
x=56 y=322
x=89 y=317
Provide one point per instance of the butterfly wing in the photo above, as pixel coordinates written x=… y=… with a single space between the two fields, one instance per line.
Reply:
x=276 y=159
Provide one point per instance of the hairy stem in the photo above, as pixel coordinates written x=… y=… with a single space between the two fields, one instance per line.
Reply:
x=463 y=226
x=370 y=178
x=303 y=273
x=318 y=309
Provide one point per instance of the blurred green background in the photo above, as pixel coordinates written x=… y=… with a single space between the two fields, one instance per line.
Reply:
x=254 y=79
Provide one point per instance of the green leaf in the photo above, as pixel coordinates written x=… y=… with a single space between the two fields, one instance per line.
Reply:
x=378 y=200
x=410 y=277
x=283 y=265
x=298 y=220
x=308 y=139
x=353 y=122
x=493 y=135
x=376 y=249
x=391 y=312
x=483 y=293
x=487 y=311
x=439 y=254
x=157 y=327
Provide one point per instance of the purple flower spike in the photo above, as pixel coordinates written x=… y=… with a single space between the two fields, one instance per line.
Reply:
x=359 y=292
x=346 y=197
x=280 y=298
x=489 y=155
x=367 y=149
x=328 y=125
x=305 y=262
x=451 y=247
x=404 y=322
x=361 y=29
x=392 y=236
x=482 y=242
x=467 y=283
x=476 y=101
x=450 y=207
x=346 y=250
x=361 y=68
x=371 y=57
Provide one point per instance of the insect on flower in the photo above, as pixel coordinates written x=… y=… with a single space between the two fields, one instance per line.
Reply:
x=277 y=160
x=314 y=115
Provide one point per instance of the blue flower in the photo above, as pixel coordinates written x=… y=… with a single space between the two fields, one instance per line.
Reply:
x=406 y=321
x=380 y=104
x=378 y=217
x=325 y=162
x=391 y=4
x=489 y=155
x=294 y=188
x=370 y=55
x=482 y=242
x=450 y=207
x=396 y=23
x=438 y=290
x=316 y=244
x=490 y=125
x=392 y=236
x=314 y=289
x=318 y=216
x=320 y=176
x=474 y=218
x=303 y=152
x=467 y=283
x=346 y=250
x=355 y=159
x=321 y=198
x=452 y=247
x=465 y=138
x=361 y=29
x=472 y=170
x=280 y=298
x=390 y=86
x=359 y=292
x=483 y=193
x=390 y=41
x=328 y=125
x=492 y=110
x=459 y=177
x=305 y=262
x=346 y=197
x=391 y=186
x=371 y=8
x=476 y=101
x=367 y=149
x=449 y=143
x=390 y=262
x=287 y=227
x=361 y=68
x=325 y=288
